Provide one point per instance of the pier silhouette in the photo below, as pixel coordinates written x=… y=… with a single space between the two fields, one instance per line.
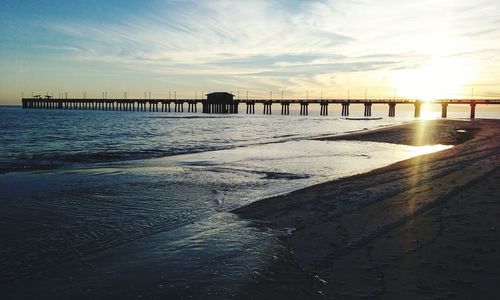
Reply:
x=224 y=103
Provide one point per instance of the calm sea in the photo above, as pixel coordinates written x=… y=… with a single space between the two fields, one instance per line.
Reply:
x=135 y=204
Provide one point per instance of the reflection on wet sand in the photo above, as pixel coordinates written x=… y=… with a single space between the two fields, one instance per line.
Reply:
x=408 y=230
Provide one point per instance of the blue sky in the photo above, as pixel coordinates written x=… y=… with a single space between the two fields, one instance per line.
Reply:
x=443 y=47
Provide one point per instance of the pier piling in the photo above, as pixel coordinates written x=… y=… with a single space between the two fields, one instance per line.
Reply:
x=250 y=107
x=304 y=108
x=368 y=109
x=345 y=109
x=418 y=105
x=285 y=108
x=472 y=109
x=323 y=108
x=444 y=110
x=267 y=107
x=392 y=110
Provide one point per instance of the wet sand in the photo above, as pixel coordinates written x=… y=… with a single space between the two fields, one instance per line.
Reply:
x=427 y=227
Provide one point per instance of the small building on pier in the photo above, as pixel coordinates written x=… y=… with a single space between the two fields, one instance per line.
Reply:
x=220 y=103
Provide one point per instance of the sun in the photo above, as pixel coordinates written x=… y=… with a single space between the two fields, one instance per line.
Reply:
x=441 y=78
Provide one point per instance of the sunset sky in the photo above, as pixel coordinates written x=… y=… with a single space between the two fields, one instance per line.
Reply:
x=423 y=49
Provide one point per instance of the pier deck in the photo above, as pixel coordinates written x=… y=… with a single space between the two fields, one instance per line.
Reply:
x=177 y=105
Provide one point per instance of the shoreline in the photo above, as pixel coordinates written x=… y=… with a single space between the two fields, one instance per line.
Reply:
x=93 y=160
x=385 y=134
x=349 y=235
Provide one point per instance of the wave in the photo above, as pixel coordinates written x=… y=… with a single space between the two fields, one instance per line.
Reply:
x=263 y=174
x=188 y=117
x=58 y=159
x=54 y=160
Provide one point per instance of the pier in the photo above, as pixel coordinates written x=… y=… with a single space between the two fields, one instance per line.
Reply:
x=223 y=106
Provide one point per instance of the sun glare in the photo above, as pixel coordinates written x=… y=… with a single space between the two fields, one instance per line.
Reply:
x=443 y=78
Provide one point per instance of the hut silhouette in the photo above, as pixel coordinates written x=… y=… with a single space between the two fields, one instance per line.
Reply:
x=220 y=103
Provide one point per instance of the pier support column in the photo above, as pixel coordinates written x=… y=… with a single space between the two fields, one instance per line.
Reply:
x=323 y=109
x=472 y=109
x=179 y=106
x=267 y=107
x=368 y=109
x=250 y=107
x=345 y=109
x=285 y=108
x=234 y=107
x=444 y=110
x=304 y=108
x=392 y=110
x=418 y=105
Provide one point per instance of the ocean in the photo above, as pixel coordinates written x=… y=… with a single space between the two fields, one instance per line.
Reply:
x=137 y=204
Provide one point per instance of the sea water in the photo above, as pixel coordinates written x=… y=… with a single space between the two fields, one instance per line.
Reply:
x=97 y=203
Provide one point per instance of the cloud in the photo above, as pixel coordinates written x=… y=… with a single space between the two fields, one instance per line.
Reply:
x=204 y=32
x=275 y=43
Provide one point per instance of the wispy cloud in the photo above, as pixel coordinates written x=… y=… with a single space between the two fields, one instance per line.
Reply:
x=268 y=44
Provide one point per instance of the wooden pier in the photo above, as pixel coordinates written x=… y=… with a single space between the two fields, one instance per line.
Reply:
x=177 y=105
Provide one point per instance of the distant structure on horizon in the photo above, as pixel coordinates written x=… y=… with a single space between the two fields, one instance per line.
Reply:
x=220 y=103
x=224 y=103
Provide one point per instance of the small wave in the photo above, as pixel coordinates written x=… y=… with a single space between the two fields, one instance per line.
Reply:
x=289 y=176
x=283 y=136
x=187 y=117
x=264 y=174
x=199 y=162
x=55 y=160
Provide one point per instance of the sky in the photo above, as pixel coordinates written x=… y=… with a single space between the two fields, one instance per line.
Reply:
x=331 y=48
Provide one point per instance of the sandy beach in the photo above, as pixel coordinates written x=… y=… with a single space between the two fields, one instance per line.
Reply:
x=422 y=228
